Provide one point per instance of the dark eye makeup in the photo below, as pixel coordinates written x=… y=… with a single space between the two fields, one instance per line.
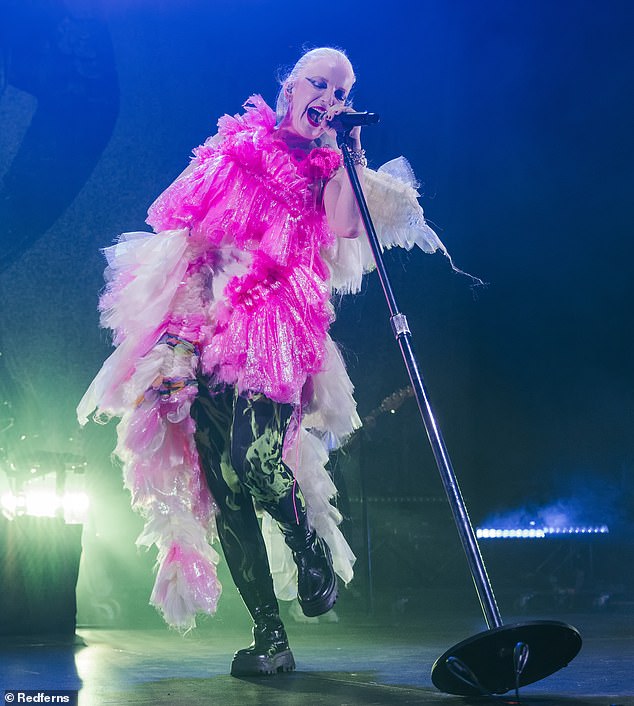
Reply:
x=317 y=83
x=340 y=94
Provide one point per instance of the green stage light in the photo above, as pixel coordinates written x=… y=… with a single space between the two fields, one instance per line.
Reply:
x=72 y=506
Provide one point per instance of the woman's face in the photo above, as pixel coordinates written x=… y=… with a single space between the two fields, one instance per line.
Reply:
x=323 y=83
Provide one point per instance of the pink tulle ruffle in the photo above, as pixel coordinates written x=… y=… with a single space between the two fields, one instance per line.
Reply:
x=186 y=584
x=242 y=189
x=273 y=333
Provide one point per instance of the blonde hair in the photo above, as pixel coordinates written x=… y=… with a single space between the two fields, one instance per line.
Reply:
x=281 y=105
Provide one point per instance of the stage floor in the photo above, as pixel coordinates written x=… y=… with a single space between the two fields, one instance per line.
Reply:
x=357 y=660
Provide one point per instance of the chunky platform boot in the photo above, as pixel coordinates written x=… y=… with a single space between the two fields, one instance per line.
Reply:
x=269 y=652
x=317 y=588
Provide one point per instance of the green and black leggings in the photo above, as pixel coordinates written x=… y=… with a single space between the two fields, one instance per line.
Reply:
x=240 y=441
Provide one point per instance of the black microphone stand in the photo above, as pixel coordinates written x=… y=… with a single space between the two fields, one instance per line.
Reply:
x=504 y=657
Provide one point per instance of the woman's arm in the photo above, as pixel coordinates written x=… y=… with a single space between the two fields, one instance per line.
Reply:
x=342 y=211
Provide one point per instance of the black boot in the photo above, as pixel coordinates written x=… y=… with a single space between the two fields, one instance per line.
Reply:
x=317 y=588
x=269 y=652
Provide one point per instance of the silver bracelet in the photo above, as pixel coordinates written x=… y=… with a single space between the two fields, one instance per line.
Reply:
x=358 y=157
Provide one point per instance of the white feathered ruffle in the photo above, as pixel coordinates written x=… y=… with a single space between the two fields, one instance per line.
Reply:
x=145 y=270
x=398 y=220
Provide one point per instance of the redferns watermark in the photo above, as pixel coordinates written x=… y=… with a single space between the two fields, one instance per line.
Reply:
x=40 y=696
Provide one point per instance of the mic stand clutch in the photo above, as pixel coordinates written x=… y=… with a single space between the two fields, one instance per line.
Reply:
x=504 y=657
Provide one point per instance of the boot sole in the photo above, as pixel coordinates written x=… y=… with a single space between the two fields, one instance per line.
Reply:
x=261 y=665
x=312 y=609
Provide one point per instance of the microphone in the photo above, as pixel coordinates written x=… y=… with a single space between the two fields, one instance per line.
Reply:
x=345 y=121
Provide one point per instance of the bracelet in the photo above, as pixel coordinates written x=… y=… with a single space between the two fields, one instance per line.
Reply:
x=358 y=157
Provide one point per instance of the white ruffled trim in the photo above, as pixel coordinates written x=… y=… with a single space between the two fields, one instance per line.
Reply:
x=396 y=212
x=176 y=531
x=398 y=220
x=156 y=264
x=333 y=411
x=179 y=520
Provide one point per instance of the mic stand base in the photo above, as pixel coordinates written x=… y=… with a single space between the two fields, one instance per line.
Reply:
x=491 y=663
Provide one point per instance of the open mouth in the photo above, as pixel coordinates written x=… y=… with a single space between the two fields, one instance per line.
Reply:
x=315 y=116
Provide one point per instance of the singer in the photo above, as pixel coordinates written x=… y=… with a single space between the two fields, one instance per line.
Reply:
x=229 y=389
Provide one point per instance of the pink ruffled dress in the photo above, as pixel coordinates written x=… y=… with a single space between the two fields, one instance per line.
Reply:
x=247 y=191
x=235 y=282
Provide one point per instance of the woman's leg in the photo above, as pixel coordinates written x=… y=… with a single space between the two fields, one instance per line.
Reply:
x=241 y=538
x=257 y=442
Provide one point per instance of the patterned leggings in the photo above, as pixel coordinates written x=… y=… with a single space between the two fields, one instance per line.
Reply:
x=240 y=443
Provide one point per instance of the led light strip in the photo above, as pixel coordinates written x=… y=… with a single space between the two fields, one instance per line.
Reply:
x=537 y=532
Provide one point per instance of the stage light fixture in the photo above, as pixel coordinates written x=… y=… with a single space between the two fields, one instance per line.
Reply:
x=538 y=532
x=73 y=506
